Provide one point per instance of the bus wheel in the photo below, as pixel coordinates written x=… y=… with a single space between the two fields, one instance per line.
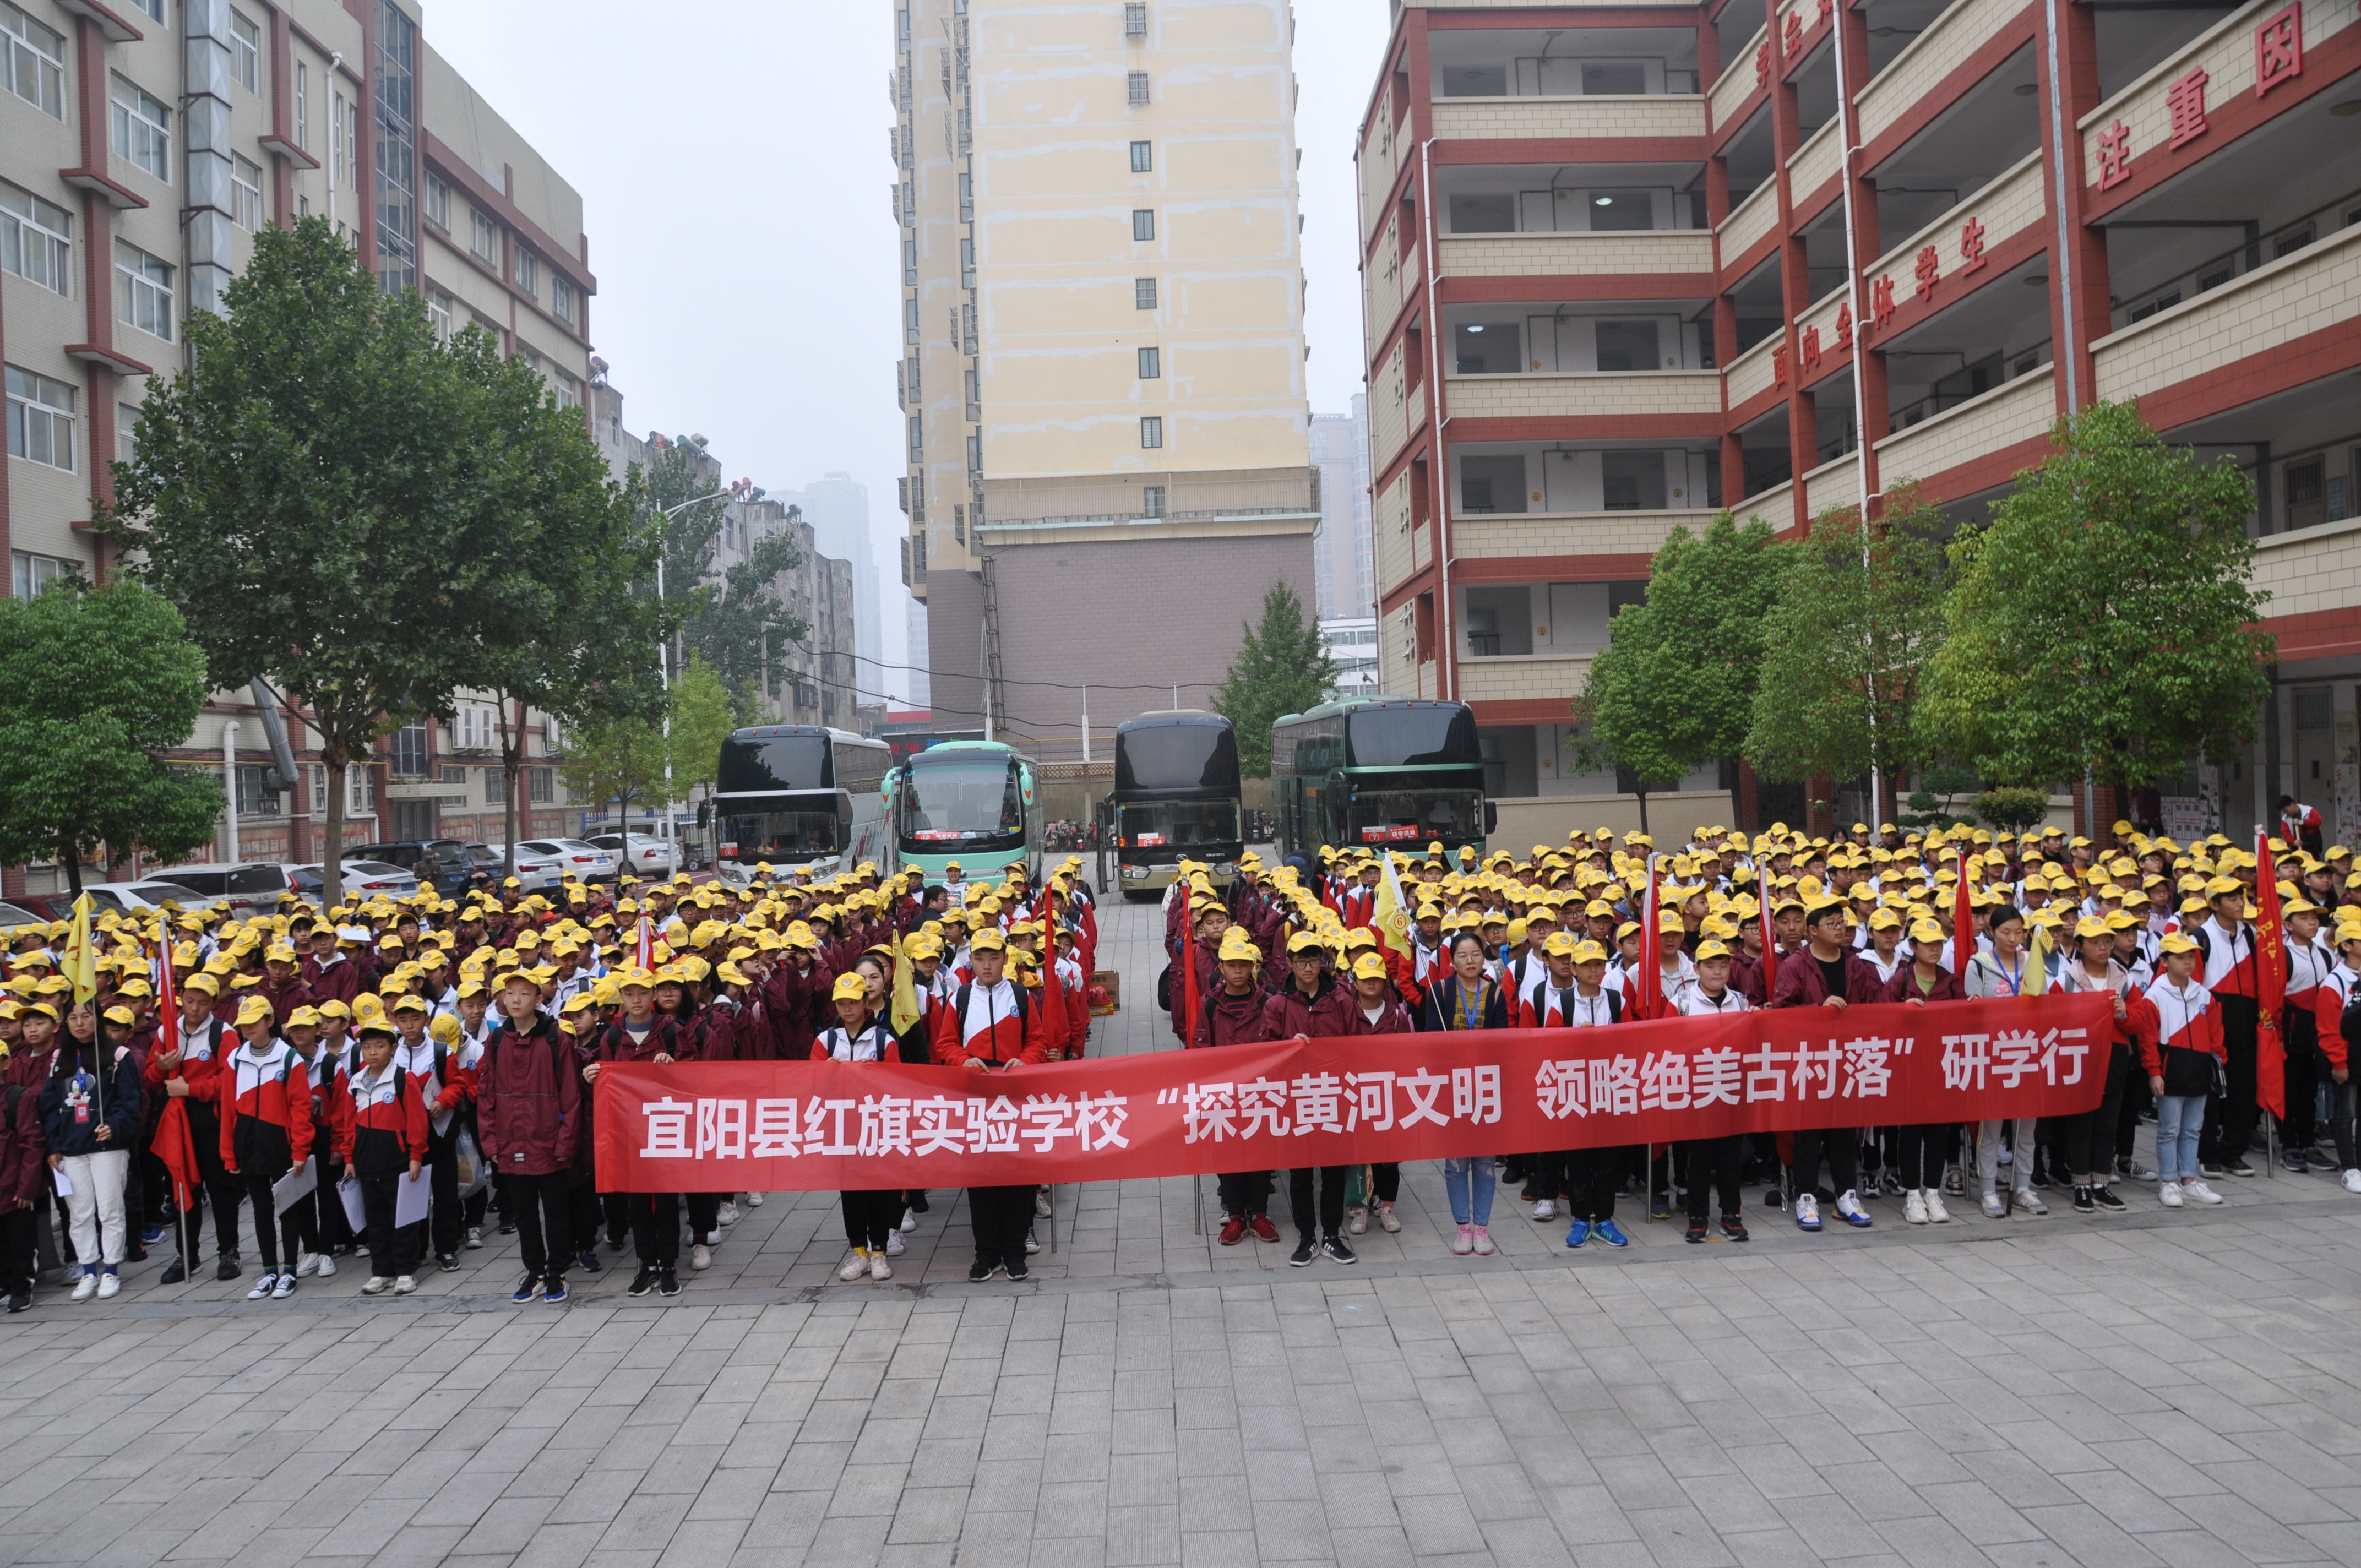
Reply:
x=1143 y=895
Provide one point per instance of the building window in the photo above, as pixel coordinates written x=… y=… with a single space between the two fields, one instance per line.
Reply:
x=562 y=299
x=910 y=320
x=255 y=795
x=35 y=573
x=143 y=129
x=438 y=203
x=540 y=787
x=1143 y=293
x=918 y=439
x=396 y=148
x=569 y=388
x=966 y=197
x=528 y=273
x=154 y=8
x=409 y=752
x=438 y=311
x=967 y=262
x=303 y=106
x=246 y=193
x=1151 y=431
x=1143 y=158
x=910 y=262
x=471 y=727
x=127 y=432
x=1139 y=87
x=36 y=62
x=483 y=238
x=1151 y=500
x=339 y=166
x=246 y=52
x=1151 y=364
x=143 y=292
x=1135 y=20
x=36 y=240
x=975 y=453
x=40 y=420
x=1143 y=224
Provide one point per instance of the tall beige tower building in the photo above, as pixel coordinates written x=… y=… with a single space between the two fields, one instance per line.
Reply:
x=1102 y=376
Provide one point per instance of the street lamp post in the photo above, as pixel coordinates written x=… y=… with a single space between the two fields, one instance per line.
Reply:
x=731 y=491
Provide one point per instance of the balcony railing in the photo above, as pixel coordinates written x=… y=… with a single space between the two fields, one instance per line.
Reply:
x=2256 y=251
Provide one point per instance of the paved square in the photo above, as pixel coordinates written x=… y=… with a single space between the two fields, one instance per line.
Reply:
x=2162 y=1389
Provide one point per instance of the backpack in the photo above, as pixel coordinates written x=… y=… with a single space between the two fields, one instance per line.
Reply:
x=959 y=1004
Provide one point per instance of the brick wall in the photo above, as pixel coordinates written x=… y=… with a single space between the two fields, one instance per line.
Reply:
x=1560 y=255
x=2317 y=287
x=1815 y=162
x=1934 y=54
x=1737 y=83
x=2017 y=410
x=1749 y=374
x=2311 y=569
x=1521 y=678
x=1570 y=533
x=1605 y=395
x=2015 y=201
x=1776 y=507
x=1583 y=119
x=1389 y=518
x=1836 y=484
x=1389 y=410
x=1751 y=220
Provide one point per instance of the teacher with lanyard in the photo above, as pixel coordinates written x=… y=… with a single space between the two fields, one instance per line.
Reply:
x=1467 y=998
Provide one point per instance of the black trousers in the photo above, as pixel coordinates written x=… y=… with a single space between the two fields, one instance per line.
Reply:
x=1385 y=1182
x=299 y=1226
x=1246 y=1193
x=334 y=1229
x=654 y=1219
x=222 y=1189
x=18 y=1228
x=705 y=1214
x=2230 y=1120
x=2341 y=1099
x=263 y=1157
x=1841 y=1147
x=1550 y=1175
x=1328 y=1217
x=545 y=1222
x=1920 y=1153
x=2086 y=1140
x=1713 y=1163
x=393 y=1249
x=1592 y=1179
x=444 y=1224
x=1000 y=1217
x=2304 y=1073
x=870 y=1216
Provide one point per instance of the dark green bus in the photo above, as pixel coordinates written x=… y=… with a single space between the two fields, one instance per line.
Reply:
x=1378 y=771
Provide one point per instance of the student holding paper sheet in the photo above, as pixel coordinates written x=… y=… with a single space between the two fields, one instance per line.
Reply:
x=303 y=1219
x=266 y=1129
x=383 y=1142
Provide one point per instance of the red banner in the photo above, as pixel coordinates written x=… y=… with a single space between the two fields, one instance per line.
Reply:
x=832 y=1126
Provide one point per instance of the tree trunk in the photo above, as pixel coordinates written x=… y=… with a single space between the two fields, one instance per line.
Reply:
x=511 y=742
x=336 y=756
x=70 y=854
x=1643 y=813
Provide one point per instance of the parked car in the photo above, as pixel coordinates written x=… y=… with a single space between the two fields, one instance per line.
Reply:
x=245 y=887
x=371 y=877
x=642 y=854
x=542 y=864
x=441 y=863
x=139 y=897
x=13 y=914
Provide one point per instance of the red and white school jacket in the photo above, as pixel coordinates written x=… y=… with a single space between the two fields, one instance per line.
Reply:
x=1693 y=1002
x=997 y=1026
x=2328 y=1005
x=2229 y=968
x=268 y=1083
x=872 y=1042
x=2168 y=1015
x=1544 y=1005
x=383 y=1121
x=2308 y=967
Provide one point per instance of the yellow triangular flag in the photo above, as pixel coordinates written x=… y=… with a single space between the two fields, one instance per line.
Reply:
x=81 y=957
x=906 y=988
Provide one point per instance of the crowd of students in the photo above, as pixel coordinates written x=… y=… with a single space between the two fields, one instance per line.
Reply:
x=390 y=1078
x=1555 y=941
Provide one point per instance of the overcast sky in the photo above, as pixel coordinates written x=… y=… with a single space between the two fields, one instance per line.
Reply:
x=732 y=165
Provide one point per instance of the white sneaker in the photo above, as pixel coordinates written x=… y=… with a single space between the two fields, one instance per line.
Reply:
x=474 y=1237
x=1032 y=1243
x=285 y=1288
x=753 y=1200
x=1994 y=1208
x=892 y=1244
x=1388 y=1220
x=262 y=1287
x=87 y=1287
x=2200 y=1191
x=2353 y=1181
x=700 y=1256
x=1807 y=1211
x=878 y=1268
x=1042 y=1204
x=306 y=1265
x=109 y=1285
x=909 y=1221
x=1914 y=1207
x=405 y=1285
x=855 y=1266
x=376 y=1285
x=728 y=1213
x=1357 y=1221
x=2171 y=1195
x=1937 y=1213
x=1850 y=1211
x=2029 y=1202
x=326 y=1266
x=1545 y=1209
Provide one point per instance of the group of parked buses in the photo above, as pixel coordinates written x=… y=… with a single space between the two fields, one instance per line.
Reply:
x=1368 y=771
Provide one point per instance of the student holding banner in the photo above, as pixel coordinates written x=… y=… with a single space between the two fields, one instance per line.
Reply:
x=988 y=1028
x=1827 y=973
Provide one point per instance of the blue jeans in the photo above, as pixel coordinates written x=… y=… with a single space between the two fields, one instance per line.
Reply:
x=2179 y=1119
x=1456 y=1182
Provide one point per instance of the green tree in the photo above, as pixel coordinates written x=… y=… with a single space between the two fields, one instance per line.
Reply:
x=1673 y=688
x=310 y=494
x=93 y=684
x=558 y=624
x=2105 y=619
x=1847 y=645
x=1281 y=667
x=734 y=619
x=622 y=756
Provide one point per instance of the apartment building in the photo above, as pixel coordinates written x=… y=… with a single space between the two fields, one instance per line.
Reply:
x=142 y=145
x=1618 y=274
x=1344 y=567
x=1102 y=382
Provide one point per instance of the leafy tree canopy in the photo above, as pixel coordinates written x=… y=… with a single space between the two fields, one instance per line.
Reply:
x=1281 y=667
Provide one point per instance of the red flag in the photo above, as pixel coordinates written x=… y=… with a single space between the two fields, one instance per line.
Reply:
x=1649 y=1002
x=1963 y=923
x=174 y=1147
x=1189 y=961
x=1053 y=994
x=2270 y=983
x=167 y=990
x=647 y=944
x=1770 y=945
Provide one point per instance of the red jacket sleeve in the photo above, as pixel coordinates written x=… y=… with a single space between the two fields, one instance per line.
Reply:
x=2144 y=1025
x=225 y=1098
x=2328 y=1016
x=947 y=1049
x=299 y=1114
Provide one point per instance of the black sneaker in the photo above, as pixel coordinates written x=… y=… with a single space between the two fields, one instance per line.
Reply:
x=227 y=1268
x=1305 y=1251
x=642 y=1282
x=2104 y=1201
x=175 y=1274
x=589 y=1262
x=2320 y=1160
x=553 y=1289
x=2236 y=1166
x=22 y=1301
x=1733 y=1228
x=508 y=1227
x=1016 y=1269
x=1696 y=1230
x=1334 y=1250
x=667 y=1283
x=918 y=1204
x=978 y=1272
x=527 y=1291
x=614 y=1242
x=2082 y=1201
x=445 y=1263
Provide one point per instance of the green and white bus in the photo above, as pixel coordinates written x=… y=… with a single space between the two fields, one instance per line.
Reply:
x=976 y=802
x=1378 y=771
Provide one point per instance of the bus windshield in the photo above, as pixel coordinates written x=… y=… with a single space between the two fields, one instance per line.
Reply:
x=1153 y=758
x=778 y=833
x=965 y=805
x=1178 y=824
x=1392 y=737
x=1406 y=815
x=751 y=763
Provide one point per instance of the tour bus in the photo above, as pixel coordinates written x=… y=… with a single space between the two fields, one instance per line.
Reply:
x=1176 y=793
x=976 y=802
x=800 y=795
x=1373 y=771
